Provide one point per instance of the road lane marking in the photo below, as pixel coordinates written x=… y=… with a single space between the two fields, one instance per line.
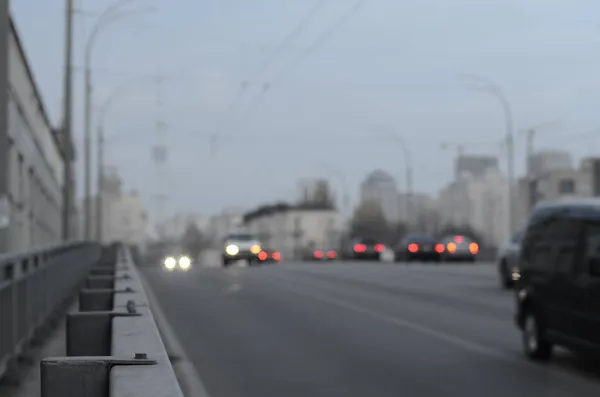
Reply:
x=400 y=322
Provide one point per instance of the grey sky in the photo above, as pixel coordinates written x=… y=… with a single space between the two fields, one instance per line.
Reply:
x=392 y=65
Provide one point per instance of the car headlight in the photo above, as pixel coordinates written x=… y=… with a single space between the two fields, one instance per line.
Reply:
x=170 y=263
x=185 y=262
x=232 y=250
x=255 y=249
x=516 y=274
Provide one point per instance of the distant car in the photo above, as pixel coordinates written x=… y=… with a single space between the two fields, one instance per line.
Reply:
x=323 y=254
x=458 y=248
x=241 y=246
x=418 y=247
x=177 y=262
x=366 y=248
x=269 y=256
x=508 y=261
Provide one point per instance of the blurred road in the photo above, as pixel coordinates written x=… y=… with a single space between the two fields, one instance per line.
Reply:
x=358 y=329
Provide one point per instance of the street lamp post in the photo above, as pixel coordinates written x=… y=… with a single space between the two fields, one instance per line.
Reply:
x=494 y=90
x=116 y=94
x=108 y=16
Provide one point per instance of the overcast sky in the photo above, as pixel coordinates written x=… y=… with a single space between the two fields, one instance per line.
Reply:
x=390 y=66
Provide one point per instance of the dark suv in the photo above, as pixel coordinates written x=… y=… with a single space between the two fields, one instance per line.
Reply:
x=558 y=293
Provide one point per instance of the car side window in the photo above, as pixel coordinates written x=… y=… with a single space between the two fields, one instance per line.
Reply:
x=564 y=236
x=551 y=243
x=592 y=249
x=537 y=248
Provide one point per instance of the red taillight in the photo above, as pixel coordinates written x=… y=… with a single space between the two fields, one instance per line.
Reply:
x=379 y=247
x=439 y=248
x=263 y=256
x=276 y=256
x=360 y=248
x=473 y=248
x=331 y=254
x=459 y=239
x=318 y=254
x=413 y=248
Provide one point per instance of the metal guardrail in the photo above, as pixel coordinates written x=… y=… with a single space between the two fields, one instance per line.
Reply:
x=114 y=348
x=34 y=287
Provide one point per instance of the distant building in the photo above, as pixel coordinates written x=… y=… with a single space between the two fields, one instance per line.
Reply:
x=293 y=229
x=549 y=160
x=555 y=178
x=227 y=221
x=475 y=165
x=480 y=202
x=380 y=187
x=423 y=212
x=176 y=226
x=124 y=217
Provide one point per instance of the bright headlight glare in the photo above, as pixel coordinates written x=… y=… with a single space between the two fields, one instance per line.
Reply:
x=170 y=262
x=232 y=249
x=184 y=262
x=255 y=249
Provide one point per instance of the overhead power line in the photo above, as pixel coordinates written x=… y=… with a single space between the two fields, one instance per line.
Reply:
x=326 y=35
x=280 y=49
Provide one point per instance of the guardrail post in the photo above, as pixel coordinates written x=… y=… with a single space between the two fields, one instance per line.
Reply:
x=92 y=375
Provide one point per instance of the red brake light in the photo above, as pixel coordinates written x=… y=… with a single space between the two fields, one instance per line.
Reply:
x=263 y=256
x=331 y=254
x=276 y=256
x=473 y=248
x=413 y=248
x=459 y=239
x=439 y=248
x=379 y=247
x=318 y=254
x=360 y=248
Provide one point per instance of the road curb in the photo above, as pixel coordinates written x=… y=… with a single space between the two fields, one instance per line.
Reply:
x=185 y=371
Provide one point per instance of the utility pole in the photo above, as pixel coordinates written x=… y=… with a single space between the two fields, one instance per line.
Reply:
x=66 y=132
x=4 y=143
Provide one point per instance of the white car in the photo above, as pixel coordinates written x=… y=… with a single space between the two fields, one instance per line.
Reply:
x=241 y=246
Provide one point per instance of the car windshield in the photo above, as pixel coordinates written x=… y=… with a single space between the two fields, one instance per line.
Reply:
x=366 y=241
x=241 y=237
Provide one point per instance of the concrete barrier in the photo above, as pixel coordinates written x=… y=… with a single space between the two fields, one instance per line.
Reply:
x=114 y=348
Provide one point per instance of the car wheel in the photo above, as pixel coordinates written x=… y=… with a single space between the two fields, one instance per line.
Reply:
x=535 y=346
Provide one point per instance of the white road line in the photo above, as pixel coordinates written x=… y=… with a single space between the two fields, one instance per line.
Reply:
x=400 y=322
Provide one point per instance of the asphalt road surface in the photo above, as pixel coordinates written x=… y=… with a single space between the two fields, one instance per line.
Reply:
x=358 y=329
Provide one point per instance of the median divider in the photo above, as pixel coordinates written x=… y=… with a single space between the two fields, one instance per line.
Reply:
x=114 y=348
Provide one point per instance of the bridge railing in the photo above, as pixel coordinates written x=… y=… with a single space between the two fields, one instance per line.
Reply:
x=34 y=287
x=114 y=348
